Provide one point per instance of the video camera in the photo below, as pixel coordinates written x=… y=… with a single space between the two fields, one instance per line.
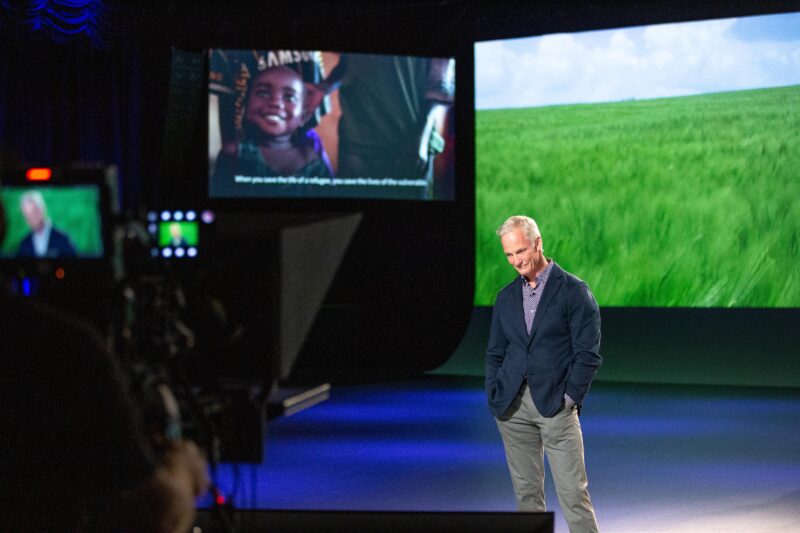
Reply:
x=175 y=305
x=58 y=229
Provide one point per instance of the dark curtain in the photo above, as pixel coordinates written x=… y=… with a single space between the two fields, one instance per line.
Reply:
x=67 y=96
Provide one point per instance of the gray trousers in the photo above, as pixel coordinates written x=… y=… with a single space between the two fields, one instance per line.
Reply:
x=527 y=436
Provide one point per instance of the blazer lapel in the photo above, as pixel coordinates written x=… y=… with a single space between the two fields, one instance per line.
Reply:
x=550 y=289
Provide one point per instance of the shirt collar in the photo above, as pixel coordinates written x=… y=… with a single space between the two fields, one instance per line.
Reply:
x=41 y=239
x=542 y=276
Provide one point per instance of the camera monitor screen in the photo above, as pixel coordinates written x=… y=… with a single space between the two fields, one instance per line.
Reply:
x=660 y=162
x=177 y=233
x=52 y=222
x=319 y=124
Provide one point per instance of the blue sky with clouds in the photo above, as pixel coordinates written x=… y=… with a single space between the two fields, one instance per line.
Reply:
x=639 y=62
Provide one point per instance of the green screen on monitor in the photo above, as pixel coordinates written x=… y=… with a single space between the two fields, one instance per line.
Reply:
x=67 y=216
x=662 y=163
x=177 y=234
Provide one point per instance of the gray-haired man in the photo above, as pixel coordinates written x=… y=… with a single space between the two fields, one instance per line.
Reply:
x=540 y=362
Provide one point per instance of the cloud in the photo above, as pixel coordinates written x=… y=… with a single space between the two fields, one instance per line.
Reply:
x=641 y=62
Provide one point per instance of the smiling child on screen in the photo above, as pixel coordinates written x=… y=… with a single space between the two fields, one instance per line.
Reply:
x=274 y=143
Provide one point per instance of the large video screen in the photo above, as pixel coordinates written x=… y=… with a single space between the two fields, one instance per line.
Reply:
x=662 y=163
x=320 y=124
x=49 y=222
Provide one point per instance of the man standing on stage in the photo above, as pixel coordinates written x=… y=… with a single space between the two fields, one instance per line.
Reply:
x=540 y=362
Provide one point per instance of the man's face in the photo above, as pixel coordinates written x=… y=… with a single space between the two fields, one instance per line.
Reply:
x=33 y=216
x=275 y=105
x=521 y=253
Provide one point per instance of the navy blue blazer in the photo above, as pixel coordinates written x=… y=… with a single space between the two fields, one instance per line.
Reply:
x=59 y=245
x=559 y=356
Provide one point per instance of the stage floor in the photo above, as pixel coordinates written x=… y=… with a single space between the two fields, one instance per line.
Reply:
x=659 y=458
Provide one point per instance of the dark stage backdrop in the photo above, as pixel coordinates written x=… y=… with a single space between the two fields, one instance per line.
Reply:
x=403 y=296
x=71 y=89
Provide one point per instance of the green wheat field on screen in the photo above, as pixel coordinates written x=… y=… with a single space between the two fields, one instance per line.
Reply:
x=689 y=201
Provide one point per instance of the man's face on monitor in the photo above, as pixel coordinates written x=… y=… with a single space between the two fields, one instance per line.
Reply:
x=275 y=105
x=33 y=216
